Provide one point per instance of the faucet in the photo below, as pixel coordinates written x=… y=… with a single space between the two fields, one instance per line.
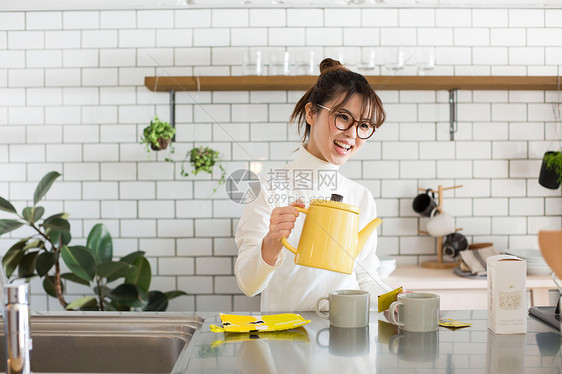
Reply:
x=16 y=324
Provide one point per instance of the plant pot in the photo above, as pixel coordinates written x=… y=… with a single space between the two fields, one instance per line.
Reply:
x=548 y=178
x=163 y=144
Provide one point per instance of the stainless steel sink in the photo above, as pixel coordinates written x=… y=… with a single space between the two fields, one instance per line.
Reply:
x=93 y=342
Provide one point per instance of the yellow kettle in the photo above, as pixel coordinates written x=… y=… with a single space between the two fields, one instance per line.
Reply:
x=330 y=237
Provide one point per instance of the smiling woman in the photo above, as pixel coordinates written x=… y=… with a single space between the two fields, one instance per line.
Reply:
x=335 y=116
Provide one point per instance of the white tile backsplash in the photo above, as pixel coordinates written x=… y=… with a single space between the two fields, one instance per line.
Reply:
x=72 y=99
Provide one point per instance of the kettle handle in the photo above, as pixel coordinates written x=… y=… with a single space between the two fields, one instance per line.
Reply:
x=284 y=240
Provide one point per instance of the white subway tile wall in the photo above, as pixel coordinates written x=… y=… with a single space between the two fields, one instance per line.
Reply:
x=72 y=99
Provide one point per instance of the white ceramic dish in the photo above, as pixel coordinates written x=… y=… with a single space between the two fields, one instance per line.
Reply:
x=538 y=270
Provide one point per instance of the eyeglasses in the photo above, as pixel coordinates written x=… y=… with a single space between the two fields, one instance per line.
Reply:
x=343 y=120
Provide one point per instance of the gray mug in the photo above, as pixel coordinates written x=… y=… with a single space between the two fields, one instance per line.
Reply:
x=415 y=346
x=343 y=341
x=416 y=311
x=347 y=308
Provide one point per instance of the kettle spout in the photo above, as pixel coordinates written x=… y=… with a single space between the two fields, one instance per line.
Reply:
x=366 y=233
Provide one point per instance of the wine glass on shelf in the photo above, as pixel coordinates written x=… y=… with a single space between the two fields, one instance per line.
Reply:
x=425 y=60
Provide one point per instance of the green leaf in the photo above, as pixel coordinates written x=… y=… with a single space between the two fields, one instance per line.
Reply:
x=33 y=214
x=157 y=302
x=81 y=302
x=113 y=270
x=44 y=186
x=74 y=278
x=7 y=225
x=99 y=241
x=131 y=257
x=45 y=262
x=27 y=265
x=60 y=224
x=80 y=261
x=57 y=237
x=49 y=286
x=12 y=259
x=129 y=295
x=6 y=206
x=34 y=244
x=142 y=274
x=173 y=294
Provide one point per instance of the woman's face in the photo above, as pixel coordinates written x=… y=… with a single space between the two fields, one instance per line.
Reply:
x=326 y=141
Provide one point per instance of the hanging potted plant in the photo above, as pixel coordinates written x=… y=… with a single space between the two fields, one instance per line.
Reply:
x=551 y=170
x=203 y=159
x=157 y=135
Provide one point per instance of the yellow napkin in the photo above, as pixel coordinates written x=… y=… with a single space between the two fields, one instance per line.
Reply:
x=274 y=322
x=299 y=334
x=452 y=324
x=388 y=298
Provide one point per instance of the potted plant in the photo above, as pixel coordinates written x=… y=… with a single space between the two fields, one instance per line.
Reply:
x=157 y=135
x=203 y=159
x=39 y=255
x=551 y=170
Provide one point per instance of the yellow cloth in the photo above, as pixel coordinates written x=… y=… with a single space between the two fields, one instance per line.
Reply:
x=451 y=323
x=388 y=298
x=299 y=334
x=274 y=322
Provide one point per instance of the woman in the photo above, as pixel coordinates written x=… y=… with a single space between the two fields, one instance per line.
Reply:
x=336 y=116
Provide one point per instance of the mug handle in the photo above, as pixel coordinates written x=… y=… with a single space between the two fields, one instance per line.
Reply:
x=393 y=343
x=318 y=338
x=320 y=314
x=393 y=308
x=284 y=240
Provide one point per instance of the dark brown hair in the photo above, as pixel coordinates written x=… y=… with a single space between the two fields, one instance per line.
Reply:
x=334 y=81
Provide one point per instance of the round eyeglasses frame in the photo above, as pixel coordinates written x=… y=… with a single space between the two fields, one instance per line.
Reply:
x=354 y=122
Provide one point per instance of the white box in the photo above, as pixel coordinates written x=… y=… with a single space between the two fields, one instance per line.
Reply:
x=507 y=310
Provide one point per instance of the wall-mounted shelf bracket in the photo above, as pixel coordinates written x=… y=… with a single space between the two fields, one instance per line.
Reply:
x=453 y=126
x=173 y=111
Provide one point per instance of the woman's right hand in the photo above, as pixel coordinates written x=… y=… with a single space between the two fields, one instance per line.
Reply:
x=281 y=224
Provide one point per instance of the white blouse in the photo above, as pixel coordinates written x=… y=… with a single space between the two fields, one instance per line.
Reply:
x=287 y=286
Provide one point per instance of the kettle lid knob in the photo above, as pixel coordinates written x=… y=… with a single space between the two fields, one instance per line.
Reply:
x=336 y=197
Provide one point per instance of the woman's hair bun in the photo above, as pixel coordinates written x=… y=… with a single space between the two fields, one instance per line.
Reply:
x=329 y=64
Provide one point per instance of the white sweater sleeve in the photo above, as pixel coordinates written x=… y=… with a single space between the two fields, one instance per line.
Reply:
x=252 y=272
x=367 y=260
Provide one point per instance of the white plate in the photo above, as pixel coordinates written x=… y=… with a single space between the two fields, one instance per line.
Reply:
x=527 y=254
x=538 y=270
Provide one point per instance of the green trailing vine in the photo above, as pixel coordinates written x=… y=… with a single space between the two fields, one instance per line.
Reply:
x=157 y=135
x=203 y=159
x=554 y=162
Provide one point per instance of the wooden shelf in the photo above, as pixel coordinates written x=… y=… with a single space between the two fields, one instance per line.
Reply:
x=303 y=82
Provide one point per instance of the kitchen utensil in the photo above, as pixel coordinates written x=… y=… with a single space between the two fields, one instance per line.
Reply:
x=415 y=312
x=347 y=308
x=350 y=342
x=330 y=237
x=550 y=243
x=424 y=203
x=454 y=243
x=440 y=224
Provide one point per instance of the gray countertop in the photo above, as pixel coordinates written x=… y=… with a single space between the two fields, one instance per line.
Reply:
x=317 y=348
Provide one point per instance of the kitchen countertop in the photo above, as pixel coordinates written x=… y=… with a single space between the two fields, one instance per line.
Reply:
x=317 y=348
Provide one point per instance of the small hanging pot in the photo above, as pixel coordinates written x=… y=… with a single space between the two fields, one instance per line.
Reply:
x=163 y=144
x=548 y=178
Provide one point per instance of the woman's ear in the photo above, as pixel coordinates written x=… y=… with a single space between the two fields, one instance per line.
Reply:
x=310 y=113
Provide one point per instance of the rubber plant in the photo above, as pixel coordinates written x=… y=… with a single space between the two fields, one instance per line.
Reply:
x=203 y=159
x=117 y=284
x=157 y=135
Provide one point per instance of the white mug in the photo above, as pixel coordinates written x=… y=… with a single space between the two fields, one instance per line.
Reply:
x=416 y=311
x=440 y=224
